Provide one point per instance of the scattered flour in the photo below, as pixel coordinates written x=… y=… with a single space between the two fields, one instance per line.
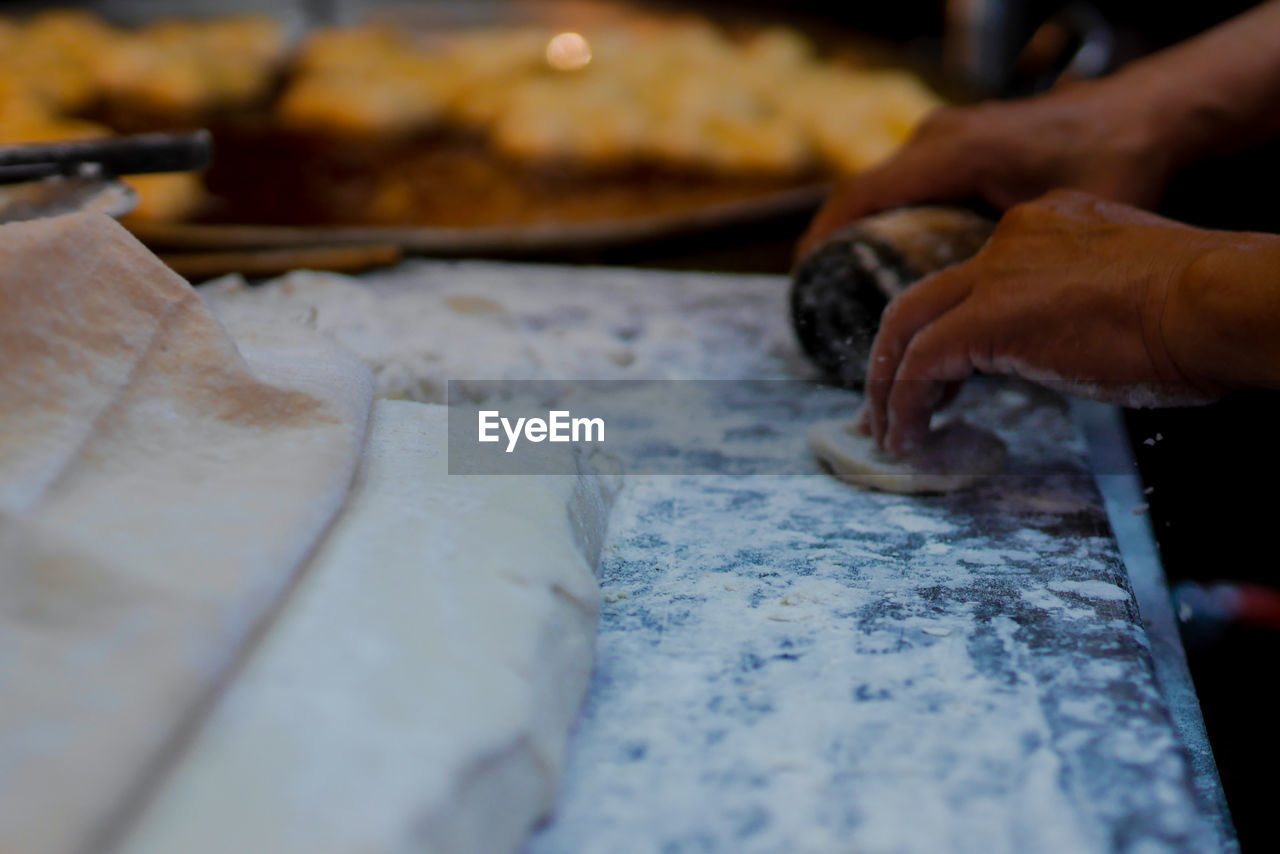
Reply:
x=1091 y=589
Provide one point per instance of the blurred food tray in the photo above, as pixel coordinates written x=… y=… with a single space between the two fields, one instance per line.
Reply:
x=368 y=133
x=522 y=240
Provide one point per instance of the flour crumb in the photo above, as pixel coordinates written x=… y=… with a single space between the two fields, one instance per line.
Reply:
x=1091 y=589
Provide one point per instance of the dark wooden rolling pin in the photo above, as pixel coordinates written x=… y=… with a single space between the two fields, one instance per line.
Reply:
x=841 y=287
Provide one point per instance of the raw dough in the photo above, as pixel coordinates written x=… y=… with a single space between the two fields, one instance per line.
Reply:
x=159 y=490
x=954 y=456
x=417 y=692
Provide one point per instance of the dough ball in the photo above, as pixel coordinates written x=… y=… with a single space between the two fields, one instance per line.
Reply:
x=954 y=456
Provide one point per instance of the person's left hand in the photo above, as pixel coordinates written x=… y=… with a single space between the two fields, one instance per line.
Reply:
x=1069 y=292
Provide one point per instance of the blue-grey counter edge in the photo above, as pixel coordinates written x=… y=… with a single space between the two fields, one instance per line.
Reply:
x=1109 y=455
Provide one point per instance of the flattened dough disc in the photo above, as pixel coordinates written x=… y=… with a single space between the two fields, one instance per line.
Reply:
x=954 y=456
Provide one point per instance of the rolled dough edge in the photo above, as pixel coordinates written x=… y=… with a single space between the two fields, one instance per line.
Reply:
x=855 y=459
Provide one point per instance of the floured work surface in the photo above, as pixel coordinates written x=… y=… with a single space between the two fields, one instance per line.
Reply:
x=160 y=488
x=786 y=663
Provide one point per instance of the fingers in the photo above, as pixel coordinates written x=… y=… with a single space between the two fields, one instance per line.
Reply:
x=935 y=361
x=917 y=174
x=1094 y=207
x=864 y=422
x=919 y=306
x=850 y=200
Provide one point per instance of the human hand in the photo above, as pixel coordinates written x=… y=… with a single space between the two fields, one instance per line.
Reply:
x=1073 y=292
x=1101 y=137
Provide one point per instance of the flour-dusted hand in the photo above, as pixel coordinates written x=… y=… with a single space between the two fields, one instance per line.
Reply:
x=1089 y=297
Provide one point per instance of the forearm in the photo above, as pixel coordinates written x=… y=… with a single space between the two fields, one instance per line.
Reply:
x=1221 y=324
x=1213 y=94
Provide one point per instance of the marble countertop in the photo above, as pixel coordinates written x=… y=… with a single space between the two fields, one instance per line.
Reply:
x=789 y=664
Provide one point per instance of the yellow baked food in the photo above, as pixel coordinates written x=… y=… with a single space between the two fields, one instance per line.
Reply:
x=187 y=68
x=377 y=124
x=682 y=94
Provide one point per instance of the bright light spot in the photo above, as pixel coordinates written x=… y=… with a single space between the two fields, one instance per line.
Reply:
x=568 y=52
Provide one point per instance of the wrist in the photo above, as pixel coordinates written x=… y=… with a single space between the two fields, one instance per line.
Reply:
x=1216 y=93
x=1220 y=322
x=1175 y=120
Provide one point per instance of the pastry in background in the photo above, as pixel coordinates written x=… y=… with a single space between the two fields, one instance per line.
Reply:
x=379 y=125
x=683 y=95
x=166 y=197
x=186 y=69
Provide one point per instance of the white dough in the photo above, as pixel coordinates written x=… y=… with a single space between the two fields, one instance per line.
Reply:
x=954 y=456
x=417 y=691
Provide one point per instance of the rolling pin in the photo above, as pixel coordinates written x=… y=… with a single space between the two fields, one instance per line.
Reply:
x=841 y=286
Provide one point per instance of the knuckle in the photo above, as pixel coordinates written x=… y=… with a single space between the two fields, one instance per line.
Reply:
x=1066 y=197
x=1020 y=211
x=1021 y=216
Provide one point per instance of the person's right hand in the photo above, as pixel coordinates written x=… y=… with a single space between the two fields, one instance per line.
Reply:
x=1101 y=137
x=1082 y=295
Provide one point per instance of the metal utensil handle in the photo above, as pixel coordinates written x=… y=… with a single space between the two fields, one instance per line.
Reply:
x=122 y=155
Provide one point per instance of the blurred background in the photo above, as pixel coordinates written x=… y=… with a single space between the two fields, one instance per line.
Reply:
x=671 y=134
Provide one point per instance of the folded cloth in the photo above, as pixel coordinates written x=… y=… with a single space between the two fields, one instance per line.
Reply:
x=160 y=488
x=417 y=690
